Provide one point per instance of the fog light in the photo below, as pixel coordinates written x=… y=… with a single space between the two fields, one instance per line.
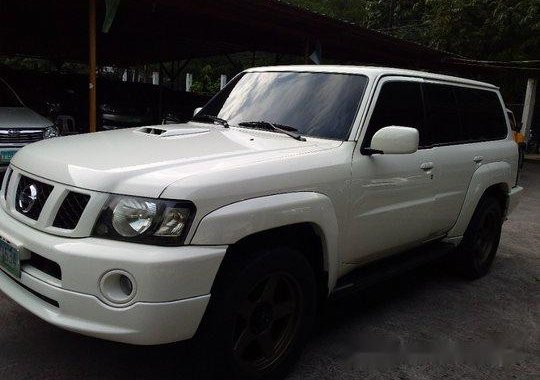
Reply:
x=118 y=287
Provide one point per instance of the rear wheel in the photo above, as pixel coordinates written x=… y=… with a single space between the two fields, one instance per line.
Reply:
x=477 y=251
x=260 y=314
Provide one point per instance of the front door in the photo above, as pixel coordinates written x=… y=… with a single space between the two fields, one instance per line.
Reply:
x=392 y=196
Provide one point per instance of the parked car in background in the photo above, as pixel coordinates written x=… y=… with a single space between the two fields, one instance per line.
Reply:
x=178 y=106
x=19 y=125
x=63 y=99
x=126 y=105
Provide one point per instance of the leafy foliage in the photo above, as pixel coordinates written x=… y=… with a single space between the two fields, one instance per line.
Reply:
x=206 y=82
x=482 y=29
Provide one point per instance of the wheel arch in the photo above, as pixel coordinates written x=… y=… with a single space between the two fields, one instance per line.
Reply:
x=500 y=192
x=306 y=220
x=306 y=237
x=493 y=179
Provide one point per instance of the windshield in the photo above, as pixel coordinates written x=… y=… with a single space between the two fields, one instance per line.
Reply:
x=8 y=97
x=315 y=104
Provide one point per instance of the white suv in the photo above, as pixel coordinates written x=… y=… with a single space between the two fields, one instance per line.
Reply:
x=235 y=227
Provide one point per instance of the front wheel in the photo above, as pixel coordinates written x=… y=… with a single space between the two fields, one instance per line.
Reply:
x=260 y=314
x=477 y=251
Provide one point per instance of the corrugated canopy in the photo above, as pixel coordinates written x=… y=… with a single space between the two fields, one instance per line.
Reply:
x=146 y=31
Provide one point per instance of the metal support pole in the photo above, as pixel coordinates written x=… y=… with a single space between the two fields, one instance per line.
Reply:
x=92 y=66
x=160 y=84
x=189 y=81
x=174 y=74
x=528 y=107
x=306 y=52
x=223 y=81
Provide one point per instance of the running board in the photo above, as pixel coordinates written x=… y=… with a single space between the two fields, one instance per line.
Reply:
x=387 y=268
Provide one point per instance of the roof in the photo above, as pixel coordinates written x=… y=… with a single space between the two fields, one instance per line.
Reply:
x=147 y=31
x=372 y=72
x=151 y=31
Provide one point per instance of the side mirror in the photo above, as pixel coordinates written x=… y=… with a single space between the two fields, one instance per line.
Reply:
x=197 y=110
x=395 y=140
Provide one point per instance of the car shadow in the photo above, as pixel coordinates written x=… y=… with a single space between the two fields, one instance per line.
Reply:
x=62 y=354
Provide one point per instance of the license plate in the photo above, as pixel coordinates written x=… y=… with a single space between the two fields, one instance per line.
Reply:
x=6 y=156
x=10 y=258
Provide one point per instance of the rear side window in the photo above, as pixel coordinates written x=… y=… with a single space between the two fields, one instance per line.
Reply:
x=399 y=104
x=482 y=114
x=442 y=114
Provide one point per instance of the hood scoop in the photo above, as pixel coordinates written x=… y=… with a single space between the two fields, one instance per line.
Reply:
x=171 y=132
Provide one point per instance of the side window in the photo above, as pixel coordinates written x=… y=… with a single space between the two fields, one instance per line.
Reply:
x=400 y=104
x=442 y=114
x=482 y=114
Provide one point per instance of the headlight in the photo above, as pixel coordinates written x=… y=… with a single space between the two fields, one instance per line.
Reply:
x=51 y=132
x=132 y=217
x=142 y=220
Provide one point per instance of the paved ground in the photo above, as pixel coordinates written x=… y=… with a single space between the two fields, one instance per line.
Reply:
x=424 y=325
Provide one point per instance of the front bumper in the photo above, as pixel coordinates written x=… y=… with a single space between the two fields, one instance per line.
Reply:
x=172 y=285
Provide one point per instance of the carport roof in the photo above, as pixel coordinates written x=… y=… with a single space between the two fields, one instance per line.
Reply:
x=146 y=31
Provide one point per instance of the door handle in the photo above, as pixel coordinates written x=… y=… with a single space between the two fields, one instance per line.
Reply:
x=478 y=159
x=427 y=166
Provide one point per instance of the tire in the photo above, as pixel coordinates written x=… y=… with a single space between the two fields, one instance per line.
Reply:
x=477 y=250
x=260 y=314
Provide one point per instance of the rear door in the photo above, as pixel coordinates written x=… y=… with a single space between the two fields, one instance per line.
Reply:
x=463 y=122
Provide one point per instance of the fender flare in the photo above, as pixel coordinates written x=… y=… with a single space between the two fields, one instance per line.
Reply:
x=229 y=224
x=484 y=177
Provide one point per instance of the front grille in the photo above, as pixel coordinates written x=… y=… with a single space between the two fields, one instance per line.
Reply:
x=71 y=210
x=20 y=136
x=31 y=197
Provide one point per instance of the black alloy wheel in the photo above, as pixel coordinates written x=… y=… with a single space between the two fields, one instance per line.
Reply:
x=477 y=251
x=267 y=322
x=260 y=315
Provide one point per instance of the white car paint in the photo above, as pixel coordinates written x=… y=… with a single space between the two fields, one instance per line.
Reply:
x=21 y=117
x=241 y=182
x=396 y=140
x=233 y=222
x=18 y=119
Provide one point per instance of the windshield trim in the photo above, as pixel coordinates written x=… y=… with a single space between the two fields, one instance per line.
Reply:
x=348 y=137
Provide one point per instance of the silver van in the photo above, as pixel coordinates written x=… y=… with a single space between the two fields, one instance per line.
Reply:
x=19 y=125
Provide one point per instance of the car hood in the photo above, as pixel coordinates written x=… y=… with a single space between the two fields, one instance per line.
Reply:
x=21 y=117
x=144 y=161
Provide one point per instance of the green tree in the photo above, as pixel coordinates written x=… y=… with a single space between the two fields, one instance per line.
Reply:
x=206 y=82
x=482 y=29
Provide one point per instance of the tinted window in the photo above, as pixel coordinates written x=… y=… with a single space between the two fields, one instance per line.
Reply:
x=482 y=114
x=442 y=114
x=400 y=104
x=7 y=97
x=317 y=104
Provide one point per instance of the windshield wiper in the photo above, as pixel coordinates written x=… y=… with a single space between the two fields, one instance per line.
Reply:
x=289 y=131
x=212 y=118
